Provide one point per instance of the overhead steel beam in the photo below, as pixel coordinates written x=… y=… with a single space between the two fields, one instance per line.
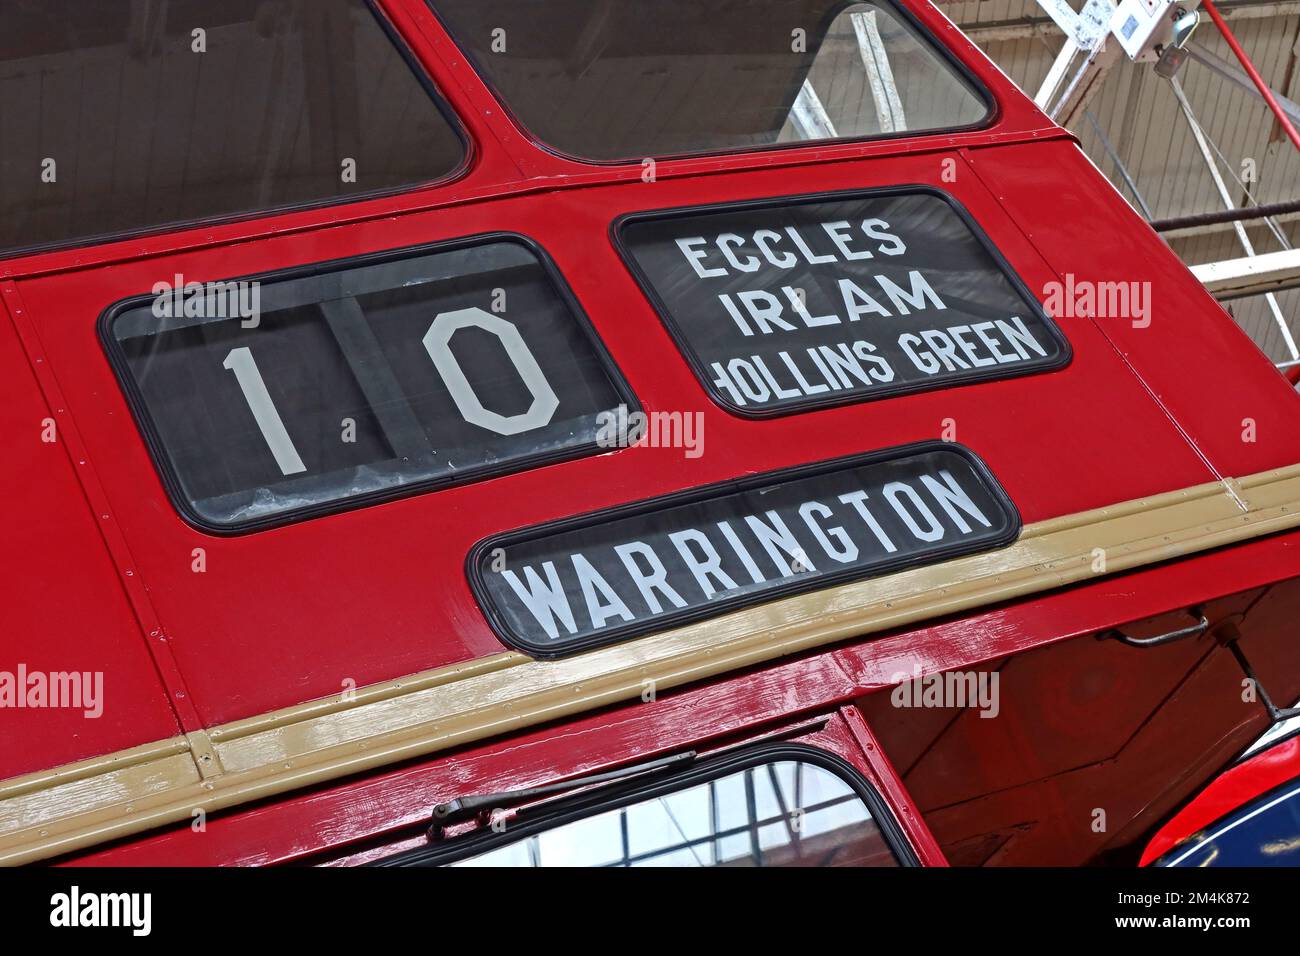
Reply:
x=1184 y=234
x=1025 y=28
x=1086 y=82
x=1085 y=33
x=810 y=116
x=1264 y=211
x=1056 y=75
x=1202 y=143
x=880 y=75
x=1064 y=17
x=1250 y=275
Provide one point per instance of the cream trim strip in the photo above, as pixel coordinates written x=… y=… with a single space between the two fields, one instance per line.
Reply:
x=83 y=804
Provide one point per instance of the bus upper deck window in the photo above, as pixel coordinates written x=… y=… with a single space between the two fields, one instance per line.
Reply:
x=625 y=79
x=117 y=117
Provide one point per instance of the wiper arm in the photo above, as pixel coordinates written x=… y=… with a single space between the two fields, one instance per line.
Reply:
x=460 y=809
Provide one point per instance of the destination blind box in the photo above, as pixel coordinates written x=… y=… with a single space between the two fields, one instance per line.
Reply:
x=607 y=576
x=783 y=305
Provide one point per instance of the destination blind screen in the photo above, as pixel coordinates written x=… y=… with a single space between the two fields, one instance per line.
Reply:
x=590 y=580
x=791 y=304
x=286 y=397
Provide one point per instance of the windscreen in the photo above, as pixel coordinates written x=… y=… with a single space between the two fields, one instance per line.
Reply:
x=781 y=813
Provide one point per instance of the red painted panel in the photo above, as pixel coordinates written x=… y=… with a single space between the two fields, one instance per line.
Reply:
x=381 y=806
x=1067 y=706
x=387 y=811
x=62 y=607
x=287 y=615
x=1069 y=769
x=891 y=787
x=1193 y=357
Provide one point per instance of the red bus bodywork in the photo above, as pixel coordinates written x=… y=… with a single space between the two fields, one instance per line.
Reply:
x=98 y=564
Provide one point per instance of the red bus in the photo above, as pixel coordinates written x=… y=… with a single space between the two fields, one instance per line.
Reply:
x=491 y=432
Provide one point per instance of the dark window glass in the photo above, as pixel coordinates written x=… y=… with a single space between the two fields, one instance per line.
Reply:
x=777 y=813
x=1264 y=832
x=284 y=396
x=117 y=116
x=626 y=79
x=790 y=304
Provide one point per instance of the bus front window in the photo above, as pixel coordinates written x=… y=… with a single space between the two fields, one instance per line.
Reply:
x=621 y=80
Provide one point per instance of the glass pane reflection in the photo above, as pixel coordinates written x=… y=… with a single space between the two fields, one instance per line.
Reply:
x=607 y=82
x=783 y=813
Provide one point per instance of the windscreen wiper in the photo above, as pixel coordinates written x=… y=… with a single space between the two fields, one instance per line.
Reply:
x=460 y=809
